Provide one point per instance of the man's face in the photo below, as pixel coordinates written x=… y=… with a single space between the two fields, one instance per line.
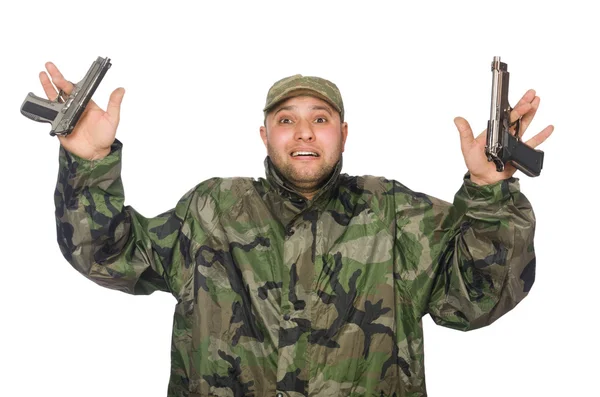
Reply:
x=304 y=138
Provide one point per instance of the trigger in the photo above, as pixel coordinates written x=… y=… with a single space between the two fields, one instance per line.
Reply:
x=60 y=98
x=517 y=125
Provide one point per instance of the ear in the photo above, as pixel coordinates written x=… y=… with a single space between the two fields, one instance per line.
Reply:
x=263 y=134
x=344 y=135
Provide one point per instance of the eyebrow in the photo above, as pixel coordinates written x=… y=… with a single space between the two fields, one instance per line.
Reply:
x=284 y=108
x=326 y=108
x=316 y=107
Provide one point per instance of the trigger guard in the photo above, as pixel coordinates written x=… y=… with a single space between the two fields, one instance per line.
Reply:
x=516 y=124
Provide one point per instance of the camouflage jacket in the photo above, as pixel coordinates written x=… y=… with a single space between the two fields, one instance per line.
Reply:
x=280 y=296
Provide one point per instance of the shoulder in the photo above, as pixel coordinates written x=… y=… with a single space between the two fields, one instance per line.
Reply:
x=219 y=194
x=380 y=188
x=220 y=189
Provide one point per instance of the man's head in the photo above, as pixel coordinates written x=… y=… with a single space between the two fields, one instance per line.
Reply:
x=297 y=85
x=304 y=130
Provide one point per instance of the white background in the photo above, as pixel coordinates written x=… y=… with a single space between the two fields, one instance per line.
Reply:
x=196 y=78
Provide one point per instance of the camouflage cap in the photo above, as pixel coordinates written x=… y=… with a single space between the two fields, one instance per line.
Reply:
x=297 y=85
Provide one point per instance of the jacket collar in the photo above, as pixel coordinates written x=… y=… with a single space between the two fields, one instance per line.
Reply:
x=284 y=188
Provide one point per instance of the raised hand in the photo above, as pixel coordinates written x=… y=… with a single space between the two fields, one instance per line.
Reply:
x=483 y=172
x=96 y=129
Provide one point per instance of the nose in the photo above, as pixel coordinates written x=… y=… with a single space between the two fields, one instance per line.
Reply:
x=304 y=131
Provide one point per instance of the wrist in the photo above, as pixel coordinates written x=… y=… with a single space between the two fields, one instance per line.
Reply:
x=100 y=154
x=478 y=181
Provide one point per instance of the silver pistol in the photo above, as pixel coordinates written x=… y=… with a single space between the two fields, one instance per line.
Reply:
x=501 y=146
x=64 y=112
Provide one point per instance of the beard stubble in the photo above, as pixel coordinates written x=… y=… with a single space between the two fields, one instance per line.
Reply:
x=303 y=179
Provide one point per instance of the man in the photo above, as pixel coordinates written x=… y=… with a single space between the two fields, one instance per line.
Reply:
x=310 y=281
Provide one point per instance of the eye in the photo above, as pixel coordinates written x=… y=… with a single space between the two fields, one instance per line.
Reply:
x=285 y=120
x=320 y=120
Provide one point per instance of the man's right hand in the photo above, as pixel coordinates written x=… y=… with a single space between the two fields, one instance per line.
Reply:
x=96 y=129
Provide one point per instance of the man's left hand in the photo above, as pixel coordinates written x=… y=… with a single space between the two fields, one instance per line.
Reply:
x=483 y=172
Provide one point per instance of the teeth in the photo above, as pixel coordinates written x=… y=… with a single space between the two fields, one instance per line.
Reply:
x=295 y=154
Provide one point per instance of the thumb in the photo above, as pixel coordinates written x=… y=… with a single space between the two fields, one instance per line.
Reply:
x=465 y=131
x=114 y=104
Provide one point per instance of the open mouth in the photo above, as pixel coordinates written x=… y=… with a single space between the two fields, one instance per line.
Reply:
x=304 y=154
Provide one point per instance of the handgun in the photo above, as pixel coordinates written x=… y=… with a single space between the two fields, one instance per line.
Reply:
x=501 y=146
x=64 y=112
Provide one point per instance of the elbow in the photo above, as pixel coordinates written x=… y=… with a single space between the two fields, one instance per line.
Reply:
x=467 y=307
x=95 y=261
x=65 y=236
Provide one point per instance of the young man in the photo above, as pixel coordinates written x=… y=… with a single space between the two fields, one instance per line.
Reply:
x=309 y=281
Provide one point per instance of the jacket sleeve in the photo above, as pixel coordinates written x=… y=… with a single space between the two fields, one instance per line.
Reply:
x=110 y=243
x=478 y=260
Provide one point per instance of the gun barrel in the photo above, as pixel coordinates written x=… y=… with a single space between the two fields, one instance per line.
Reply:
x=93 y=77
x=501 y=146
x=63 y=113
x=81 y=95
x=493 y=135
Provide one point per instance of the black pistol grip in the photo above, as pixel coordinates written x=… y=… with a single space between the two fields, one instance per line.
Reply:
x=527 y=159
x=39 y=109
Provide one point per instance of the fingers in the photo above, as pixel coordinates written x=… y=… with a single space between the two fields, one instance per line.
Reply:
x=49 y=89
x=519 y=111
x=527 y=97
x=525 y=110
x=540 y=137
x=528 y=117
x=466 y=133
x=114 y=104
x=57 y=81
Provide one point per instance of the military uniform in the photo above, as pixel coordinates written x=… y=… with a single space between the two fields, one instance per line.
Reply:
x=282 y=296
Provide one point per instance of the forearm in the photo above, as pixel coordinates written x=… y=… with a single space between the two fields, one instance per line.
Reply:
x=487 y=264
x=101 y=238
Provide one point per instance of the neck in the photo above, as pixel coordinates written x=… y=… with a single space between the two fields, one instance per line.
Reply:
x=308 y=192
x=307 y=195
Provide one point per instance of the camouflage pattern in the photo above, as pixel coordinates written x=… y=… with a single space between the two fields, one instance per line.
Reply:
x=279 y=296
x=296 y=85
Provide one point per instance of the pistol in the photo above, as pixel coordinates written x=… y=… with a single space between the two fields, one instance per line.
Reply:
x=501 y=146
x=64 y=112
